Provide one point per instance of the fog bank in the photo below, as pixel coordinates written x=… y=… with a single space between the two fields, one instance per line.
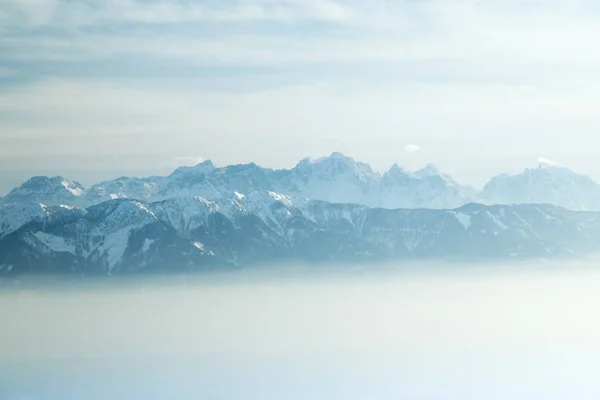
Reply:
x=439 y=335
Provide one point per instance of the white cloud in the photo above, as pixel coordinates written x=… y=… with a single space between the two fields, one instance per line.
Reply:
x=546 y=161
x=461 y=41
x=55 y=13
x=412 y=148
x=454 y=75
x=78 y=118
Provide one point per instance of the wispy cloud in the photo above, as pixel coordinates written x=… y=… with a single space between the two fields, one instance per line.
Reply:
x=97 y=76
x=432 y=40
x=81 y=14
x=412 y=148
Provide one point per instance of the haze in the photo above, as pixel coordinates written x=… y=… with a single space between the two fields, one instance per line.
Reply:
x=440 y=332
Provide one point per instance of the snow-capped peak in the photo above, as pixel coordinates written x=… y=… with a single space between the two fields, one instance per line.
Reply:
x=425 y=188
x=335 y=160
x=396 y=171
x=428 y=170
x=553 y=170
x=204 y=167
x=545 y=184
x=338 y=155
x=336 y=178
x=47 y=190
x=46 y=184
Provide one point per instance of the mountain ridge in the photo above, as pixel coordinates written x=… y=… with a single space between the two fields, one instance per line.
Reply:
x=336 y=179
x=194 y=234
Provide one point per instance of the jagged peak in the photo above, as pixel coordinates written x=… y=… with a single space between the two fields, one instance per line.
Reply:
x=204 y=167
x=305 y=162
x=397 y=170
x=335 y=164
x=428 y=170
x=336 y=156
x=242 y=168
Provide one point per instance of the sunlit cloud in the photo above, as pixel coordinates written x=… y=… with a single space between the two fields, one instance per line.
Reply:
x=546 y=161
x=412 y=148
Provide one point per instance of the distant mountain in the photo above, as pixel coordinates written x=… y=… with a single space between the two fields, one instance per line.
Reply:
x=545 y=184
x=48 y=190
x=124 y=188
x=426 y=188
x=190 y=233
x=336 y=178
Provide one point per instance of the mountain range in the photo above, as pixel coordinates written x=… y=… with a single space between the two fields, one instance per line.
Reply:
x=330 y=209
x=335 y=179
x=182 y=234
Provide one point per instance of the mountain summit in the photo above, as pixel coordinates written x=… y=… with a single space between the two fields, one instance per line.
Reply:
x=48 y=190
x=544 y=184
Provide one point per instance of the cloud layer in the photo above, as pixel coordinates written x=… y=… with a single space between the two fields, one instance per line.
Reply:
x=491 y=84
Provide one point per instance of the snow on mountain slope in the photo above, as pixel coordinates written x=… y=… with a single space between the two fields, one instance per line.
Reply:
x=205 y=167
x=123 y=188
x=50 y=191
x=103 y=232
x=56 y=244
x=183 y=182
x=426 y=188
x=243 y=178
x=336 y=178
x=272 y=208
x=545 y=184
x=192 y=185
x=115 y=215
x=126 y=235
x=202 y=180
x=185 y=214
x=15 y=215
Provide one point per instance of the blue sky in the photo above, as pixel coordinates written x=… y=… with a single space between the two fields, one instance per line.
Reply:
x=93 y=90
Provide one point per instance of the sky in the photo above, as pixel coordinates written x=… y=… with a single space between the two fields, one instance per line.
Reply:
x=93 y=90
